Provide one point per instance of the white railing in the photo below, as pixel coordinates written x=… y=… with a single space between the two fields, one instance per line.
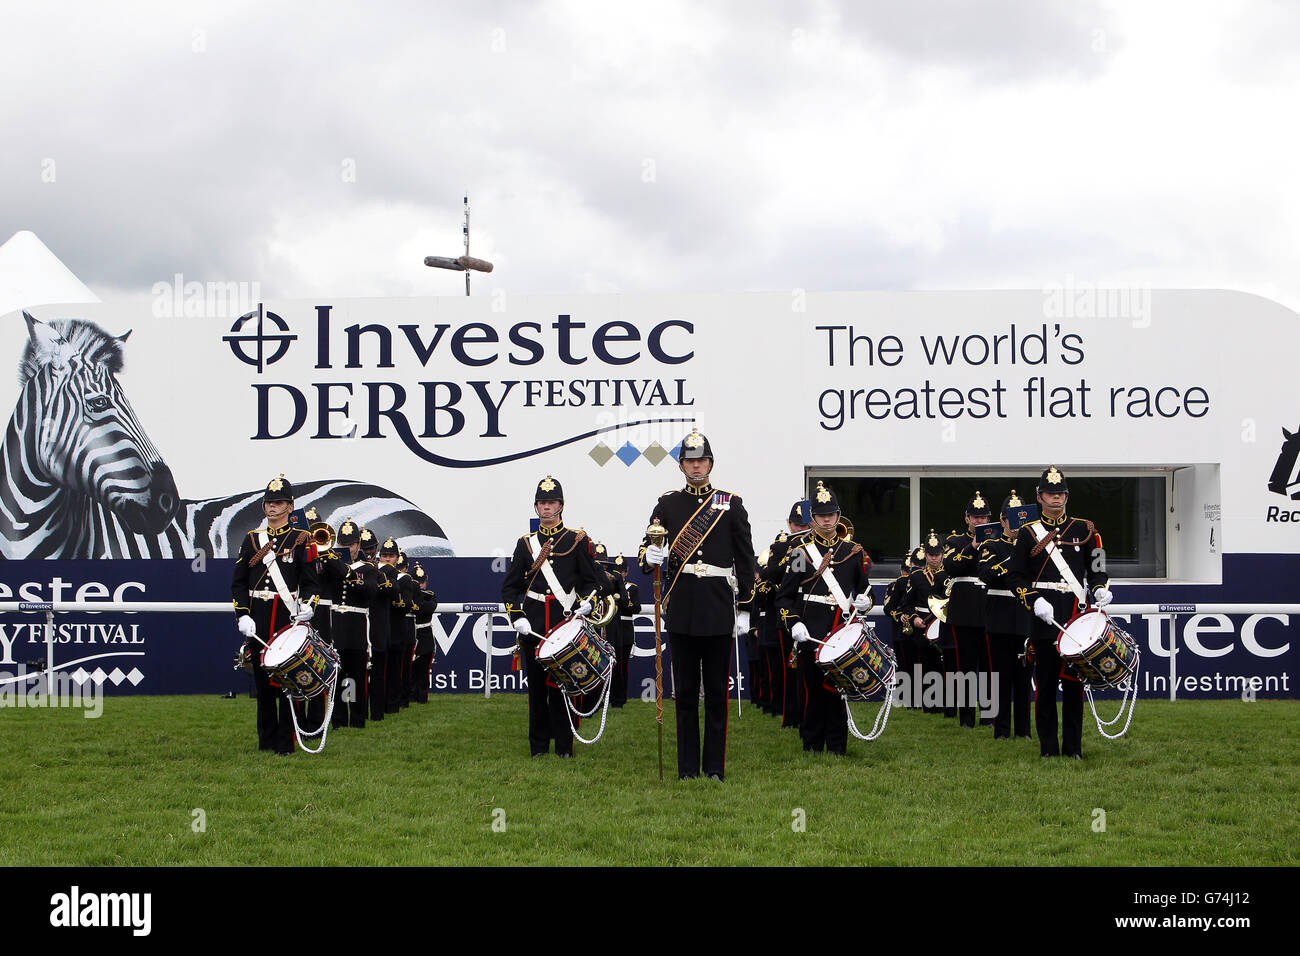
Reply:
x=1170 y=612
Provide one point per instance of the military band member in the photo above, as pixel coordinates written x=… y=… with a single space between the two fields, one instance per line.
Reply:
x=273 y=562
x=355 y=584
x=425 y=644
x=622 y=630
x=931 y=580
x=552 y=572
x=707 y=550
x=410 y=588
x=787 y=698
x=380 y=624
x=1008 y=627
x=389 y=552
x=1057 y=567
x=825 y=579
x=894 y=605
x=966 y=607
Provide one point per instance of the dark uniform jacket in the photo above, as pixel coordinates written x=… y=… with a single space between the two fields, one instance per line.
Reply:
x=699 y=604
x=895 y=603
x=1079 y=544
x=961 y=561
x=771 y=568
x=426 y=605
x=351 y=588
x=404 y=621
x=922 y=583
x=381 y=607
x=296 y=563
x=573 y=558
x=803 y=592
x=1004 y=613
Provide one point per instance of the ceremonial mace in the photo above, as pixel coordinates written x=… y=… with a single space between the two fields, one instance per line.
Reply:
x=655 y=534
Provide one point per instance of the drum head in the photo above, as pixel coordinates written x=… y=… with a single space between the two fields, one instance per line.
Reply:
x=841 y=640
x=287 y=645
x=1082 y=633
x=560 y=637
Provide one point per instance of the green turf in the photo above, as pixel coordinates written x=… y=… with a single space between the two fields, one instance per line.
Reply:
x=1194 y=783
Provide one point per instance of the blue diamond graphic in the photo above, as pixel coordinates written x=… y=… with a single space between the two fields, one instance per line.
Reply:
x=628 y=453
x=676 y=451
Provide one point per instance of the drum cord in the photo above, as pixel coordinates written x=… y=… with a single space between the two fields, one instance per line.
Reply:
x=882 y=715
x=570 y=710
x=323 y=731
x=1127 y=701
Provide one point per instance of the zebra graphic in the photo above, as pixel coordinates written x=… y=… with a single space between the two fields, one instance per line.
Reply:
x=81 y=479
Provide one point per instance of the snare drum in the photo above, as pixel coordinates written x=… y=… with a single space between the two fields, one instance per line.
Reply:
x=1099 y=650
x=856 y=661
x=300 y=662
x=578 y=658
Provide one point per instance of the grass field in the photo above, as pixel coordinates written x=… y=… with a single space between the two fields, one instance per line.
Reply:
x=1194 y=783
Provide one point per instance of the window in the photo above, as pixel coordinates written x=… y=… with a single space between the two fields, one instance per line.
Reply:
x=891 y=513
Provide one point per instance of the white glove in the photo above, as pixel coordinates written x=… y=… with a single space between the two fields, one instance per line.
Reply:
x=1043 y=610
x=523 y=627
x=1101 y=597
x=800 y=633
x=655 y=555
x=246 y=625
x=863 y=602
x=741 y=627
x=583 y=609
x=305 y=612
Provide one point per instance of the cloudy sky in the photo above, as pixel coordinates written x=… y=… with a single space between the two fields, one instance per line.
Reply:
x=324 y=148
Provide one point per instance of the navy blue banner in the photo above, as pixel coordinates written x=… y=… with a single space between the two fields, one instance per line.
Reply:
x=190 y=653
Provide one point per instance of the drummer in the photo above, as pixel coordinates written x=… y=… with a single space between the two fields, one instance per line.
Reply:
x=272 y=589
x=553 y=573
x=824 y=582
x=1056 y=567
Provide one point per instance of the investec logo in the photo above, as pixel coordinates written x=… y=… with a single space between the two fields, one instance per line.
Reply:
x=338 y=406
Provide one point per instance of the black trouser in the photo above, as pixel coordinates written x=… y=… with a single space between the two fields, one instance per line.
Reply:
x=350 y=695
x=622 y=664
x=903 y=659
x=378 y=692
x=772 y=679
x=825 y=724
x=793 y=696
x=971 y=659
x=931 y=658
x=393 y=678
x=691 y=654
x=274 y=724
x=547 y=712
x=1047 y=671
x=1012 y=676
x=420 y=670
x=408 y=675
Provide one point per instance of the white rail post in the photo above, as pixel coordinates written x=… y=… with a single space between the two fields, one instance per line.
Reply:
x=49 y=651
x=1173 y=653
